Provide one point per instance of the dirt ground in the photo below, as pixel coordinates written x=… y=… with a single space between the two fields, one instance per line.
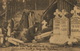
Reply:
x=41 y=47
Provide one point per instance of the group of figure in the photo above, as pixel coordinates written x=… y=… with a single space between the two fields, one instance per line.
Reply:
x=28 y=28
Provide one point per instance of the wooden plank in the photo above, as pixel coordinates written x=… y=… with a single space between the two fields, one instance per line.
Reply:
x=15 y=41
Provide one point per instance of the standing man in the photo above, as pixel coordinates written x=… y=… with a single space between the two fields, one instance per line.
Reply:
x=24 y=23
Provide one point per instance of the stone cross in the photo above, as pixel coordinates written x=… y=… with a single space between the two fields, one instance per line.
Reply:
x=63 y=13
x=75 y=12
x=44 y=24
x=57 y=13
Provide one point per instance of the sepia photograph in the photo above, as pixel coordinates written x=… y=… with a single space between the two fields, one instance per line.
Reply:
x=39 y=25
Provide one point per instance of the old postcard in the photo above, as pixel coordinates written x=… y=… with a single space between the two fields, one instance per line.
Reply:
x=39 y=25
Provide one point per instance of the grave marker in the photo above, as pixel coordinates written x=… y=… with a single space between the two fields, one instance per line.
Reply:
x=60 y=28
x=56 y=23
x=56 y=28
x=64 y=28
x=75 y=23
x=64 y=23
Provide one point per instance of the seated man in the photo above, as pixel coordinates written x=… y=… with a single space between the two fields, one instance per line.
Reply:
x=45 y=33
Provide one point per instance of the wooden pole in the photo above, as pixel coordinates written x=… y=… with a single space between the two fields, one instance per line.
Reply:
x=5 y=8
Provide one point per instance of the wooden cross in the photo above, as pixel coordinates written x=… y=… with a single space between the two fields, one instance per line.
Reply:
x=63 y=13
x=57 y=13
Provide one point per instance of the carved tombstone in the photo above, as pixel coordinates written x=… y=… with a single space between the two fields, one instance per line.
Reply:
x=60 y=28
x=56 y=28
x=75 y=23
x=64 y=27
x=64 y=23
x=56 y=23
